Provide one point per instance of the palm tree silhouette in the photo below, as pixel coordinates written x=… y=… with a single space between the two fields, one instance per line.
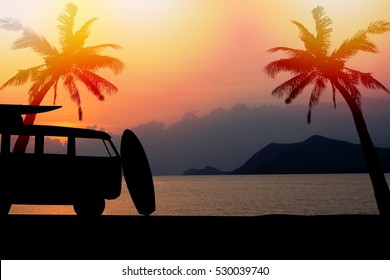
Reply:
x=74 y=62
x=316 y=66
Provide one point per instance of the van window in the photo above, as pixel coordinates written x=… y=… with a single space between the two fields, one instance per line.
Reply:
x=30 y=146
x=55 y=145
x=93 y=147
x=7 y=146
x=51 y=145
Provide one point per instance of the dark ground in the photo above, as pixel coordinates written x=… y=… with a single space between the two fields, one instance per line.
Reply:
x=270 y=237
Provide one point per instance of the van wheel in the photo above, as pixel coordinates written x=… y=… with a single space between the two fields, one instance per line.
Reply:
x=89 y=207
x=5 y=206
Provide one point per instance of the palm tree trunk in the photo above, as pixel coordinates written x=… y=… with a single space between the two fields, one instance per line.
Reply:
x=377 y=176
x=22 y=140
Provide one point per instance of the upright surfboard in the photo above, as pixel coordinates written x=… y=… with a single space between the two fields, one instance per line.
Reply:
x=137 y=173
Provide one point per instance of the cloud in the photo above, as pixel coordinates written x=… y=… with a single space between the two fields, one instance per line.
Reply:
x=226 y=138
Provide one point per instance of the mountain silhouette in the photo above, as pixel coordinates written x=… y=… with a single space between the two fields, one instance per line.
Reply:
x=316 y=154
x=208 y=170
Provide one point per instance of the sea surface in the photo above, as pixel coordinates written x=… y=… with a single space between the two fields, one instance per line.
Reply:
x=244 y=195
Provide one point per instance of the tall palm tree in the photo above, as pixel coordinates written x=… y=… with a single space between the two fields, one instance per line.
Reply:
x=73 y=62
x=315 y=65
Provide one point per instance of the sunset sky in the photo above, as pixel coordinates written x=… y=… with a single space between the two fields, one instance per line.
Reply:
x=184 y=55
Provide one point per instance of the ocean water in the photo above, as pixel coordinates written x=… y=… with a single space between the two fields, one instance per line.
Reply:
x=244 y=195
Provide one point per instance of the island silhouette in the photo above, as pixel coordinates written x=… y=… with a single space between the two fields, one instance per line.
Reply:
x=315 y=155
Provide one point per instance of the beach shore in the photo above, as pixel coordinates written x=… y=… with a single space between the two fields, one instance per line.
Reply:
x=196 y=237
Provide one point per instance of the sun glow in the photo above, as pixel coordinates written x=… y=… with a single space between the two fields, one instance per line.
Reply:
x=182 y=55
x=28 y=12
x=150 y=14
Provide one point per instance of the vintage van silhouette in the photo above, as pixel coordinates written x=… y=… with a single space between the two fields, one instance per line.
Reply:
x=69 y=177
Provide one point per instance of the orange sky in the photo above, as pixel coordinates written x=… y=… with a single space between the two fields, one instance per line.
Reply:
x=183 y=55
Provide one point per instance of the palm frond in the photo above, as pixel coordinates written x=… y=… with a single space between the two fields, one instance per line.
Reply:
x=66 y=25
x=293 y=53
x=306 y=37
x=93 y=50
x=23 y=76
x=11 y=24
x=378 y=27
x=297 y=90
x=293 y=65
x=289 y=85
x=32 y=40
x=89 y=82
x=318 y=90
x=95 y=83
x=348 y=82
x=366 y=80
x=323 y=30
x=20 y=78
x=81 y=35
x=42 y=80
x=101 y=83
x=55 y=92
x=334 y=95
x=359 y=42
x=71 y=87
x=97 y=62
